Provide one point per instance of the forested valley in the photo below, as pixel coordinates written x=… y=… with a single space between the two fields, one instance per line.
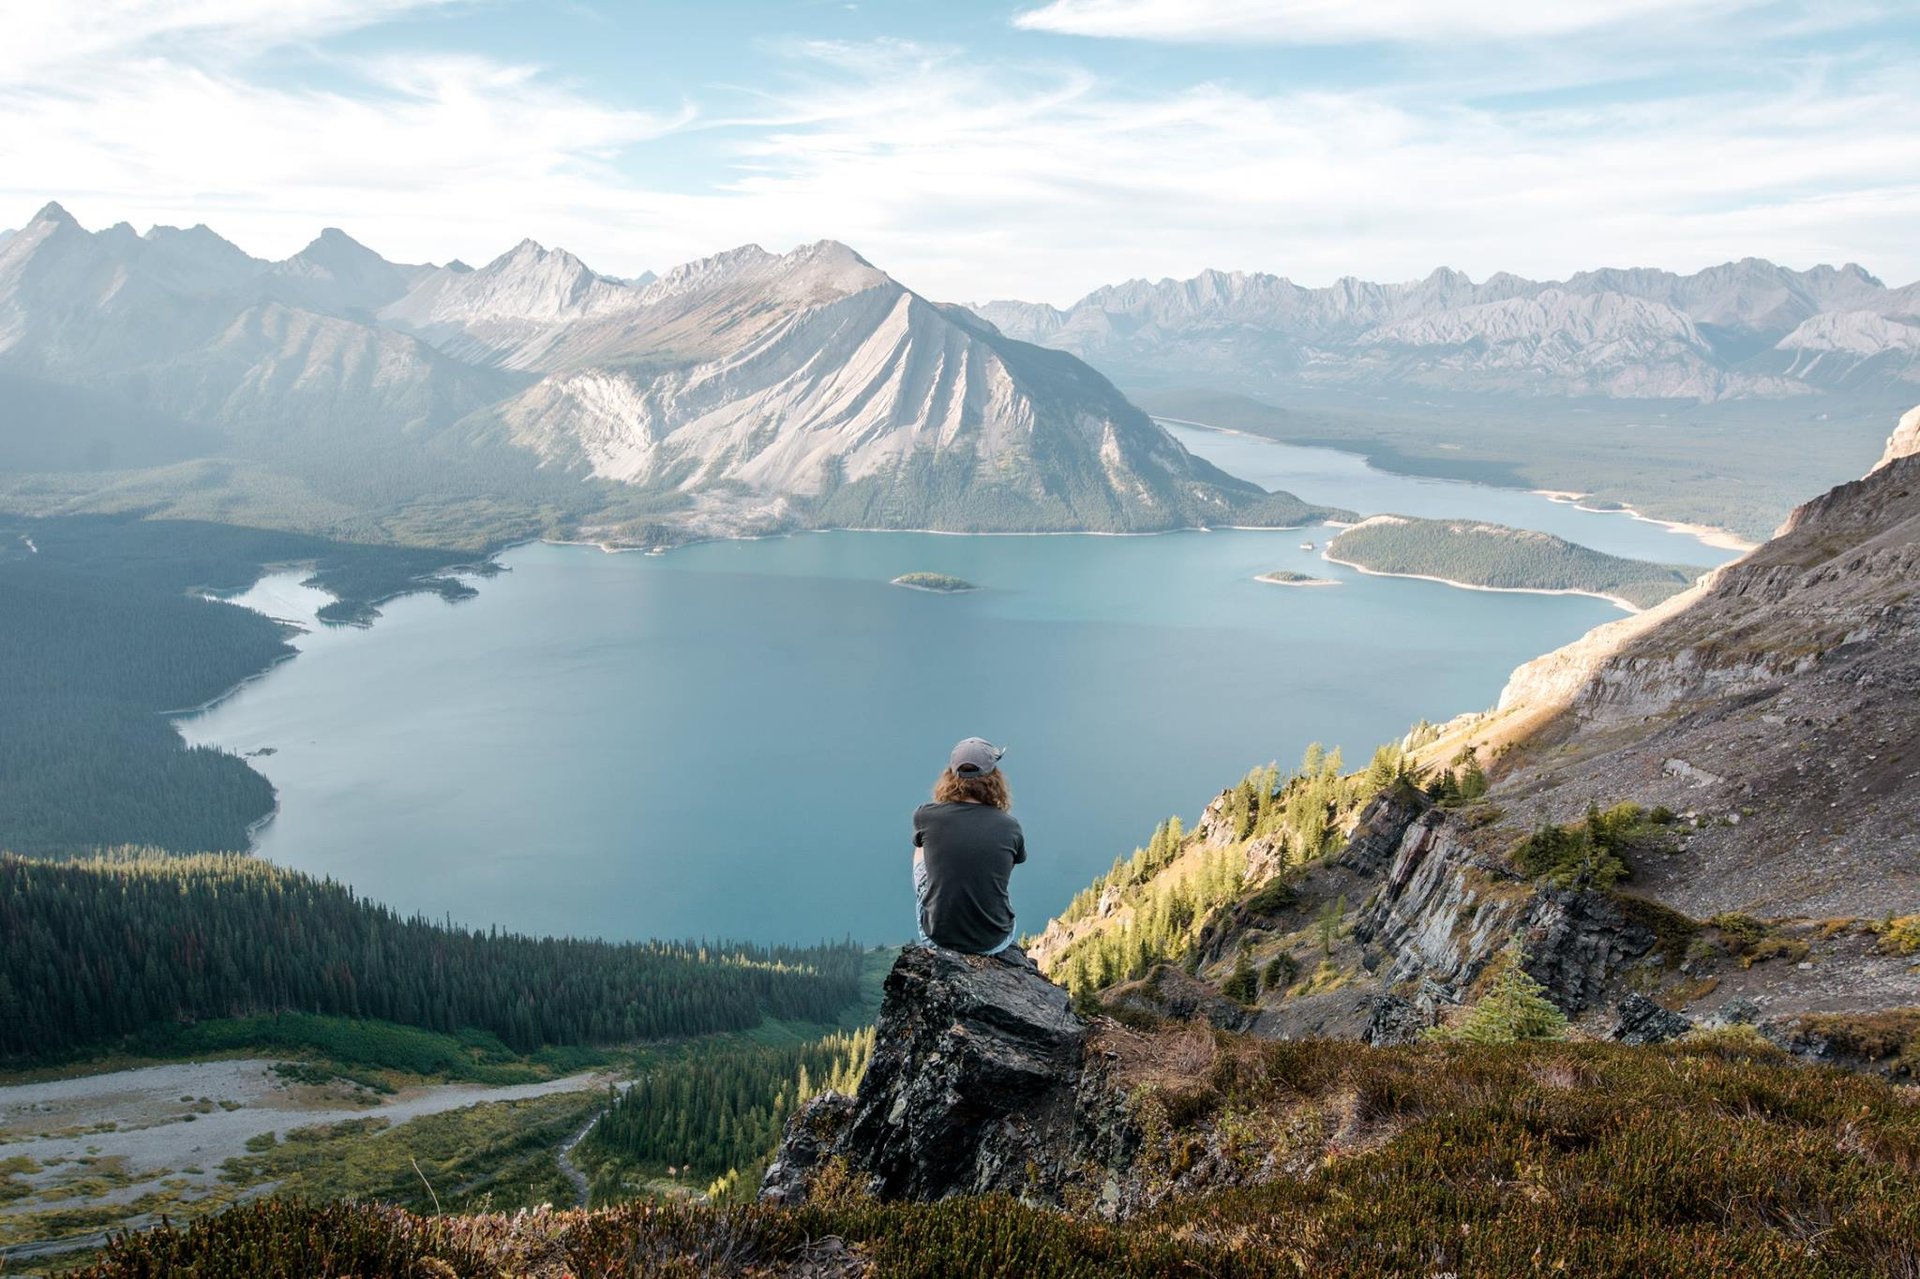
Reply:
x=96 y=951
x=105 y=625
x=713 y=1116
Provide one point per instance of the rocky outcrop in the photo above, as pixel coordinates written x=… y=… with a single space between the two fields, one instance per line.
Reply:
x=983 y=1080
x=973 y=1088
x=1644 y=1022
x=1905 y=440
x=1447 y=908
x=1382 y=825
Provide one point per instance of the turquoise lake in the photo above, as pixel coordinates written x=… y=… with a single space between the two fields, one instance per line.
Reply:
x=727 y=740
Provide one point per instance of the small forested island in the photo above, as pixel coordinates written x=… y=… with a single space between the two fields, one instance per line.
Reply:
x=941 y=582
x=1494 y=557
x=1287 y=577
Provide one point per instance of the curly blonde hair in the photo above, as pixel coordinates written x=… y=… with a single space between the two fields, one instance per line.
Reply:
x=952 y=788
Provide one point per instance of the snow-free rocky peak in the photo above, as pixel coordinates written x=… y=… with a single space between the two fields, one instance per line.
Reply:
x=809 y=275
x=337 y=273
x=527 y=284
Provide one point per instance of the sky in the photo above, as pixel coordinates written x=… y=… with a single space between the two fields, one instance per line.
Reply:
x=977 y=150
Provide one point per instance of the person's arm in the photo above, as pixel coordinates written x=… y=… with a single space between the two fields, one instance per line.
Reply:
x=1019 y=844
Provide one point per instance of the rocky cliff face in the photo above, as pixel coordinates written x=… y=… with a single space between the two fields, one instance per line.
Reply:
x=1776 y=696
x=1905 y=440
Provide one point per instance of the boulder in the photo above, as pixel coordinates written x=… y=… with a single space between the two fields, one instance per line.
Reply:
x=1393 y=1020
x=1644 y=1022
x=971 y=1089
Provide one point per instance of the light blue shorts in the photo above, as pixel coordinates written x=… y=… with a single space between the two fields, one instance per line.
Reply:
x=920 y=909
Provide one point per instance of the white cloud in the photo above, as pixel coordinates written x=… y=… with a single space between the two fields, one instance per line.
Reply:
x=155 y=111
x=42 y=37
x=983 y=180
x=1356 y=21
x=971 y=180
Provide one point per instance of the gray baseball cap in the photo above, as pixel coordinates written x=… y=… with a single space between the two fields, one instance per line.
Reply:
x=975 y=757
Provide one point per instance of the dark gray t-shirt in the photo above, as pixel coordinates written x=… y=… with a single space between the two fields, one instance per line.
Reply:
x=970 y=852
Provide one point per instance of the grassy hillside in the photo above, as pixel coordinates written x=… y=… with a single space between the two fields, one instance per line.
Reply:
x=1493 y=555
x=1708 y=1159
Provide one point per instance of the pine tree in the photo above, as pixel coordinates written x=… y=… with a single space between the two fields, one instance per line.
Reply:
x=1473 y=778
x=1515 y=1008
x=1243 y=986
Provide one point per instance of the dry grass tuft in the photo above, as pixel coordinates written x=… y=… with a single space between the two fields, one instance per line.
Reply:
x=1173 y=1059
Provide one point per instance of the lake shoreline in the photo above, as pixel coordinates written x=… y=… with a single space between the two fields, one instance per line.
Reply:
x=681 y=670
x=618 y=548
x=1614 y=600
x=1706 y=534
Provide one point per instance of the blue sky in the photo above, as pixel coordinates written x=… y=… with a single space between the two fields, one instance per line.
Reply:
x=977 y=150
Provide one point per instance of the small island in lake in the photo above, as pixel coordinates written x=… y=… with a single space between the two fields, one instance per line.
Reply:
x=940 y=582
x=1494 y=557
x=1287 y=577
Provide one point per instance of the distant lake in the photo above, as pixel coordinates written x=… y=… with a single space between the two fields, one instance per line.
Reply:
x=727 y=740
x=1334 y=478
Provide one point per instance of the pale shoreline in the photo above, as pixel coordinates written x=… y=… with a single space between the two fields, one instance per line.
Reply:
x=1614 y=600
x=1706 y=534
x=616 y=548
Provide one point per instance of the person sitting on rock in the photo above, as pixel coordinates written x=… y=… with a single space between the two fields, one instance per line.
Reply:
x=965 y=846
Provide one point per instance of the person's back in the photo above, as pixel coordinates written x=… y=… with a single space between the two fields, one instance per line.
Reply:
x=966 y=845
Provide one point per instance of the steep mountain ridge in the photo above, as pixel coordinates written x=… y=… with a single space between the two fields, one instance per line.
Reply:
x=744 y=392
x=1636 y=333
x=499 y=313
x=1702 y=814
x=339 y=275
x=838 y=387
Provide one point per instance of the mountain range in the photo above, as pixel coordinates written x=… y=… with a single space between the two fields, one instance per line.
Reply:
x=1746 y=329
x=745 y=392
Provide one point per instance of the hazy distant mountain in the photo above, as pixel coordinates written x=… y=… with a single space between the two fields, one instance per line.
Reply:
x=185 y=324
x=745 y=390
x=1745 y=329
x=500 y=313
x=338 y=274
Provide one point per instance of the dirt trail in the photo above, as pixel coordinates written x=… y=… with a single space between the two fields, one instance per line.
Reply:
x=564 y=1156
